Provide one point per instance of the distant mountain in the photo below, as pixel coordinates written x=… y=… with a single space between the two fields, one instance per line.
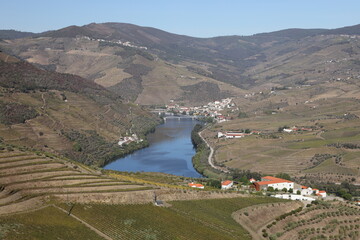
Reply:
x=13 y=34
x=351 y=30
x=135 y=62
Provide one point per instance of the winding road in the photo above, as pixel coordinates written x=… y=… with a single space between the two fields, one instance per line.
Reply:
x=210 y=158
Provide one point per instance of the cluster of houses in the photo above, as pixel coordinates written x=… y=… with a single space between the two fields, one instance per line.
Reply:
x=227 y=184
x=303 y=192
x=212 y=109
x=129 y=139
x=296 y=191
x=119 y=42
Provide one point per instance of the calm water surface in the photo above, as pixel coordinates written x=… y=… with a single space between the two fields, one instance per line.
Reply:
x=170 y=151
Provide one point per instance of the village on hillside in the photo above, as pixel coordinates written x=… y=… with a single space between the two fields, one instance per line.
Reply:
x=212 y=109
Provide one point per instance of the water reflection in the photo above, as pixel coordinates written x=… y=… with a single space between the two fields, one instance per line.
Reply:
x=170 y=151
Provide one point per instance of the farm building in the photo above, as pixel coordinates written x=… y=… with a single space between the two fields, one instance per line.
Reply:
x=322 y=194
x=276 y=183
x=226 y=184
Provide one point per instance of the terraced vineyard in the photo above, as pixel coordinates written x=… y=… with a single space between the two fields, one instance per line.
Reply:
x=325 y=220
x=28 y=179
x=197 y=219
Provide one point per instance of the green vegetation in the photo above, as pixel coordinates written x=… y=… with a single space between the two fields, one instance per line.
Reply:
x=200 y=159
x=345 y=190
x=46 y=223
x=13 y=113
x=92 y=149
x=320 y=220
x=283 y=176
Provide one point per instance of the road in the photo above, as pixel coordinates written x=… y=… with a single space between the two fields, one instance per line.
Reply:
x=210 y=158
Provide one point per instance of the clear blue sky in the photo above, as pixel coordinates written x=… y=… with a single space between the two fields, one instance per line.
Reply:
x=199 y=18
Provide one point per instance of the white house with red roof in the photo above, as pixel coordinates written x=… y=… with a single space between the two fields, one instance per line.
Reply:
x=252 y=180
x=274 y=182
x=226 y=184
x=196 y=185
x=322 y=194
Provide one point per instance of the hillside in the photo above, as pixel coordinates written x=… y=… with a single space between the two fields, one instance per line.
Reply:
x=65 y=113
x=109 y=53
x=12 y=34
x=303 y=77
x=45 y=196
x=128 y=69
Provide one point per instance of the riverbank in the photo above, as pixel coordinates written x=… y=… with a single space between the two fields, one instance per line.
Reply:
x=170 y=151
x=115 y=151
x=202 y=160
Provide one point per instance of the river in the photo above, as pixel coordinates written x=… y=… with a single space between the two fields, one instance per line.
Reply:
x=170 y=151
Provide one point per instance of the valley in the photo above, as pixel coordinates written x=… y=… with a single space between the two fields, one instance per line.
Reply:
x=283 y=103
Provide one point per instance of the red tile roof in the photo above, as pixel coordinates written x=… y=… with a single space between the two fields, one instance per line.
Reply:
x=272 y=180
x=225 y=183
x=197 y=185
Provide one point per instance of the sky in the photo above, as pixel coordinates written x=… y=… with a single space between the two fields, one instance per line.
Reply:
x=198 y=18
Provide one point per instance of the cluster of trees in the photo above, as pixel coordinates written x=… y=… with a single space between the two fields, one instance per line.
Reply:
x=244 y=175
x=92 y=149
x=13 y=113
x=200 y=159
x=345 y=190
x=345 y=145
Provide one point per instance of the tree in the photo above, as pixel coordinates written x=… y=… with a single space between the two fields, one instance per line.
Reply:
x=214 y=183
x=291 y=190
x=298 y=192
x=270 y=189
x=247 y=131
x=242 y=115
x=284 y=190
x=347 y=196
x=283 y=176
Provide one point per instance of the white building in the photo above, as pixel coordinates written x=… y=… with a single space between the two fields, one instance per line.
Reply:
x=322 y=194
x=226 y=184
x=294 y=197
x=305 y=191
x=275 y=183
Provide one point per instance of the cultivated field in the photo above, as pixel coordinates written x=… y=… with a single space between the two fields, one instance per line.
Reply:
x=28 y=179
x=43 y=196
x=324 y=220
x=335 y=125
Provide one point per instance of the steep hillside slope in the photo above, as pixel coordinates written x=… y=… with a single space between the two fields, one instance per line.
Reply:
x=65 y=113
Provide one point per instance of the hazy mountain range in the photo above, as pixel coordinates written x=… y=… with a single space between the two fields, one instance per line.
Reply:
x=135 y=62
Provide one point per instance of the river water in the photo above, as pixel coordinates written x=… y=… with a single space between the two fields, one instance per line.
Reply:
x=170 y=151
